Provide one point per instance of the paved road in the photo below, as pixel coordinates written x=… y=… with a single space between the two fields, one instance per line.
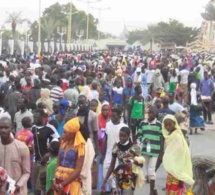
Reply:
x=201 y=144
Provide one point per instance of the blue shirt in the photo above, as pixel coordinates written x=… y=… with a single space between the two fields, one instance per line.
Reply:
x=206 y=87
x=117 y=97
x=106 y=90
x=128 y=93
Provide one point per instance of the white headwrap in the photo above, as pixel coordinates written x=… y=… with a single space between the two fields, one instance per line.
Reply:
x=138 y=78
x=193 y=94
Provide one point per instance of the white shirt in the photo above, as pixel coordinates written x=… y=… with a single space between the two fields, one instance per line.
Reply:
x=18 y=119
x=173 y=79
x=112 y=132
x=176 y=107
x=95 y=94
x=149 y=75
x=184 y=76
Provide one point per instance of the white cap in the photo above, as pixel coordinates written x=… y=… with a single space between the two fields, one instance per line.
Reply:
x=138 y=69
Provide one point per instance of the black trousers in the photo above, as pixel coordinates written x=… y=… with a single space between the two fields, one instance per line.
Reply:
x=207 y=111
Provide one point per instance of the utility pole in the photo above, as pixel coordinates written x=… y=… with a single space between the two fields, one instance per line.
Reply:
x=88 y=14
x=61 y=32
x=70 y=24
x=39 y=30
x=99 y=14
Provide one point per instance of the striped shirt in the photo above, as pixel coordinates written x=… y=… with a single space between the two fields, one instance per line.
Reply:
x=56 y=94
x=153 y=132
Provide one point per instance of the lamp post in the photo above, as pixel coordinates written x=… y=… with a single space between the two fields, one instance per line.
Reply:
x=88 y=15
x=61 y=33
x=70 y=24
x=39 y=30
x=79 y=34
x=27 y=35
x=99 y=23
x=69 y=35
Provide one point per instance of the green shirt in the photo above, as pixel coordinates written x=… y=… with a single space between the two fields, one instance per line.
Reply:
x=199 y=76
x=52 y=165
x=153 y=132
x=137 y=110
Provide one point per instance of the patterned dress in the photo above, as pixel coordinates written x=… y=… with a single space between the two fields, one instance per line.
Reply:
x=125 y=178
x=67 y=164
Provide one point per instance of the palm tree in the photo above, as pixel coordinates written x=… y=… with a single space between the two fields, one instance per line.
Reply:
x=14 y=19
x=209 y=15
x=49 y=26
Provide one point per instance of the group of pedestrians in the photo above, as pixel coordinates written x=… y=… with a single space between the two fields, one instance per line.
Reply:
x=101 y=120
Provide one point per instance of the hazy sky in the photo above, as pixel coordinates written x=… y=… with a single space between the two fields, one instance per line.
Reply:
x=134 y=13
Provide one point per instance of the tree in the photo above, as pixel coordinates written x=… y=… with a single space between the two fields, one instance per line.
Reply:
x=49 y=26
x=209 y=15
x=14 y=19
x=60 y=13
x=172 y=31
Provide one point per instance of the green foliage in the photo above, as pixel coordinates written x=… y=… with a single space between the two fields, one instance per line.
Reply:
x=172 y=31
x=57 y=15
x=49 y=26
x=209 y=13
x=14 y=19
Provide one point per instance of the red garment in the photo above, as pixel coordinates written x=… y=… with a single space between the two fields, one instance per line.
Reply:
x=102 y=125
x=27 y=87
x=102 y=120
x=65 y=85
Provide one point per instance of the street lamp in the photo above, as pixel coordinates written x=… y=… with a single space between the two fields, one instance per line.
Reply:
x=27 y=35
x=99 y=23
x=88 y=14
x=61 y=33
x=39 y=30
x=79 y=34
x=69 y=36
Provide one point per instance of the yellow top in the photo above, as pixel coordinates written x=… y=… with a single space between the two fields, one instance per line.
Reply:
x=177 y=159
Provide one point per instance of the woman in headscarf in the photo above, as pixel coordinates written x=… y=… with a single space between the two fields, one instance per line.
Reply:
x=70 y=160
x=103 y=118
x=196 y=118
x=127 y=175
x=46 y=100
x=176 y=159
x=60 y=117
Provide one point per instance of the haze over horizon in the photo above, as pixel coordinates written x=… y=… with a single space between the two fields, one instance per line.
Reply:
x=134 y=14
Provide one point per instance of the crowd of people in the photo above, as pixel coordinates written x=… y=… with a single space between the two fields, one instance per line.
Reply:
x=71 y=123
